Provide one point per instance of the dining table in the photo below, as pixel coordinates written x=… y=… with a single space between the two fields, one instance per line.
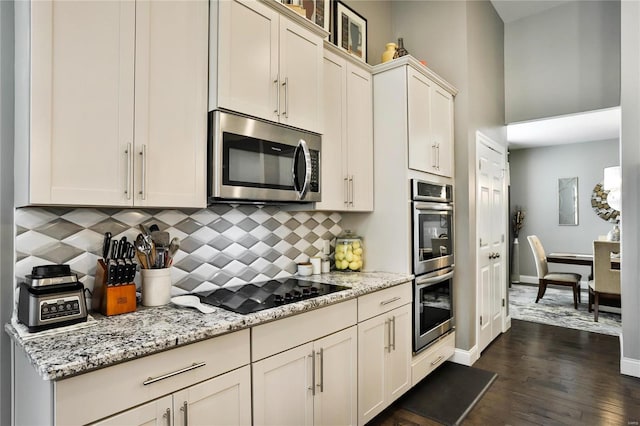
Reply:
x=583 y=259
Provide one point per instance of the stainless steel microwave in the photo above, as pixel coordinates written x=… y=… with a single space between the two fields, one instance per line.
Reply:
x=251 y=160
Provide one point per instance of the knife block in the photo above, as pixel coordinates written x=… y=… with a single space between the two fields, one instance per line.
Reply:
x=111 y=299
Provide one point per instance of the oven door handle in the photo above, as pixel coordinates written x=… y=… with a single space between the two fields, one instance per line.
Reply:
x=432 y=280
x=433 y=207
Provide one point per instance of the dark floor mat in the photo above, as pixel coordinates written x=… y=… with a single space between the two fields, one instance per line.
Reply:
x=448 y=394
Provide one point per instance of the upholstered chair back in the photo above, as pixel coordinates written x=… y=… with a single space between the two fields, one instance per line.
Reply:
x=538 y=253
x=606 y=280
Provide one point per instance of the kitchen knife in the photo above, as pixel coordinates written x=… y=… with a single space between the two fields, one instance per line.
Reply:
x=131 y=274
x=122 y=247
x=113 y=264
x=105 y=247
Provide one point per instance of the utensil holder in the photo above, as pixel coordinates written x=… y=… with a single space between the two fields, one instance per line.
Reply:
x=156 y=286
x=111 y=299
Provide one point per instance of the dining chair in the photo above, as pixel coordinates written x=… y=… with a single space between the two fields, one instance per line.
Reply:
x=606 y=280
x=558 y=278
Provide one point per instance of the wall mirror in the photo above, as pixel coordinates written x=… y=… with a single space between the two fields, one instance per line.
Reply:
x=568 y=201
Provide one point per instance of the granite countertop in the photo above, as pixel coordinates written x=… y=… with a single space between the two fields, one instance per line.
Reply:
x=149 y=330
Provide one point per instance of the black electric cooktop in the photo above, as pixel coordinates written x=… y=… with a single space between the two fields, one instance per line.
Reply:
x=248 y=298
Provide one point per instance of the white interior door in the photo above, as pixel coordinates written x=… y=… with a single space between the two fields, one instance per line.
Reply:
x=491 y=227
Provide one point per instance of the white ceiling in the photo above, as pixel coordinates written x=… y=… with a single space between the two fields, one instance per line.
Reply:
x=589 y=126
x=512 y=10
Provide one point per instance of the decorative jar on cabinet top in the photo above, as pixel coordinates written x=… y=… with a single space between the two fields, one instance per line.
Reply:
x=349 y=254
x=389 y=52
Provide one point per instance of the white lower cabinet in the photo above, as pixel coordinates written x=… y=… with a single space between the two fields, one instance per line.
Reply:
x=312 y=384
x=224 y=400
x=384 y=361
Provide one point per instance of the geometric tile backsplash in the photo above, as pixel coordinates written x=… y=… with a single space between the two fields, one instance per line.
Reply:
x=219 y=246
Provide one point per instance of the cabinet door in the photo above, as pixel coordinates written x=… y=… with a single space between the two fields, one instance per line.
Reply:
x=442 y=129
x=399 y=358
x=422 y=150
x=247 y=70
x=282 y=392
x=224 y=400
x=360 y=138
x=300 y=77
x=82 y=69
x=153 y=413
x=334 y=174
x=336 y=400
x=171 y=103
x=373 y=346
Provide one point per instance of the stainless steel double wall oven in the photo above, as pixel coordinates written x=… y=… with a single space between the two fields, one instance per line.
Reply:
x=433 y=261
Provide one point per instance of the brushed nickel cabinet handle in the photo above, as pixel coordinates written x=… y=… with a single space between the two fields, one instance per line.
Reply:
x=277 y=110
x=143 y=181
x=346 y=191
x=351 y=191
x=185 y=411
x=393 y=299
x=393 y=320
x=127 y=190
x=387 y=327
x=321 y=370
x=286 y=97
x=313 y=373
x=437 y=360
x=193 y=366
x=167 y=415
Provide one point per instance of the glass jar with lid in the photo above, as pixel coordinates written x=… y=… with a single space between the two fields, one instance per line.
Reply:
x=349 y=253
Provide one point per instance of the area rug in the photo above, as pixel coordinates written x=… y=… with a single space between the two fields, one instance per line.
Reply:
x=556 y=308
x=449 y=393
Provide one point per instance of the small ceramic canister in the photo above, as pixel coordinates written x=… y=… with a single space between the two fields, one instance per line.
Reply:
x=305 y=269
x=316 y=264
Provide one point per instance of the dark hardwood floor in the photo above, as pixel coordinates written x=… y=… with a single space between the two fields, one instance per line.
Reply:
x=547 y=375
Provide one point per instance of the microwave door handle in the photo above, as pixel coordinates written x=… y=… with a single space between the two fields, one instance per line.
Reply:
x=433 y=280
x=302 y=192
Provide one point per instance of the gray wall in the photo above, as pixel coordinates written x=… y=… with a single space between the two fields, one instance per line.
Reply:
x=534 y=186
x=630 y=162
x=6 y=204
x=463 y=43
x=563 y=60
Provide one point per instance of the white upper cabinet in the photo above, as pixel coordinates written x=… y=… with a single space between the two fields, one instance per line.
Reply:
x=430 y=125
x=265 y=65
x=112 y=108
x=417 y=108
x=347 y=142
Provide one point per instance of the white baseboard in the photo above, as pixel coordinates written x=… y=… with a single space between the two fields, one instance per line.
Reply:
x=468 y=358
x=528 y=279
x=628 y=366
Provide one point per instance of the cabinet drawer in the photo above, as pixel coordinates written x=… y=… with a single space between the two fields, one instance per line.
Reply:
x=383 y=301
x=278 y=336
x=432 y=357
x=94 y=395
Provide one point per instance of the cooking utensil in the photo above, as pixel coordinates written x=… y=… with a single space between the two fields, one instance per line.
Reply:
x=191 y=301
x=174 y=245
x=143 y=248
